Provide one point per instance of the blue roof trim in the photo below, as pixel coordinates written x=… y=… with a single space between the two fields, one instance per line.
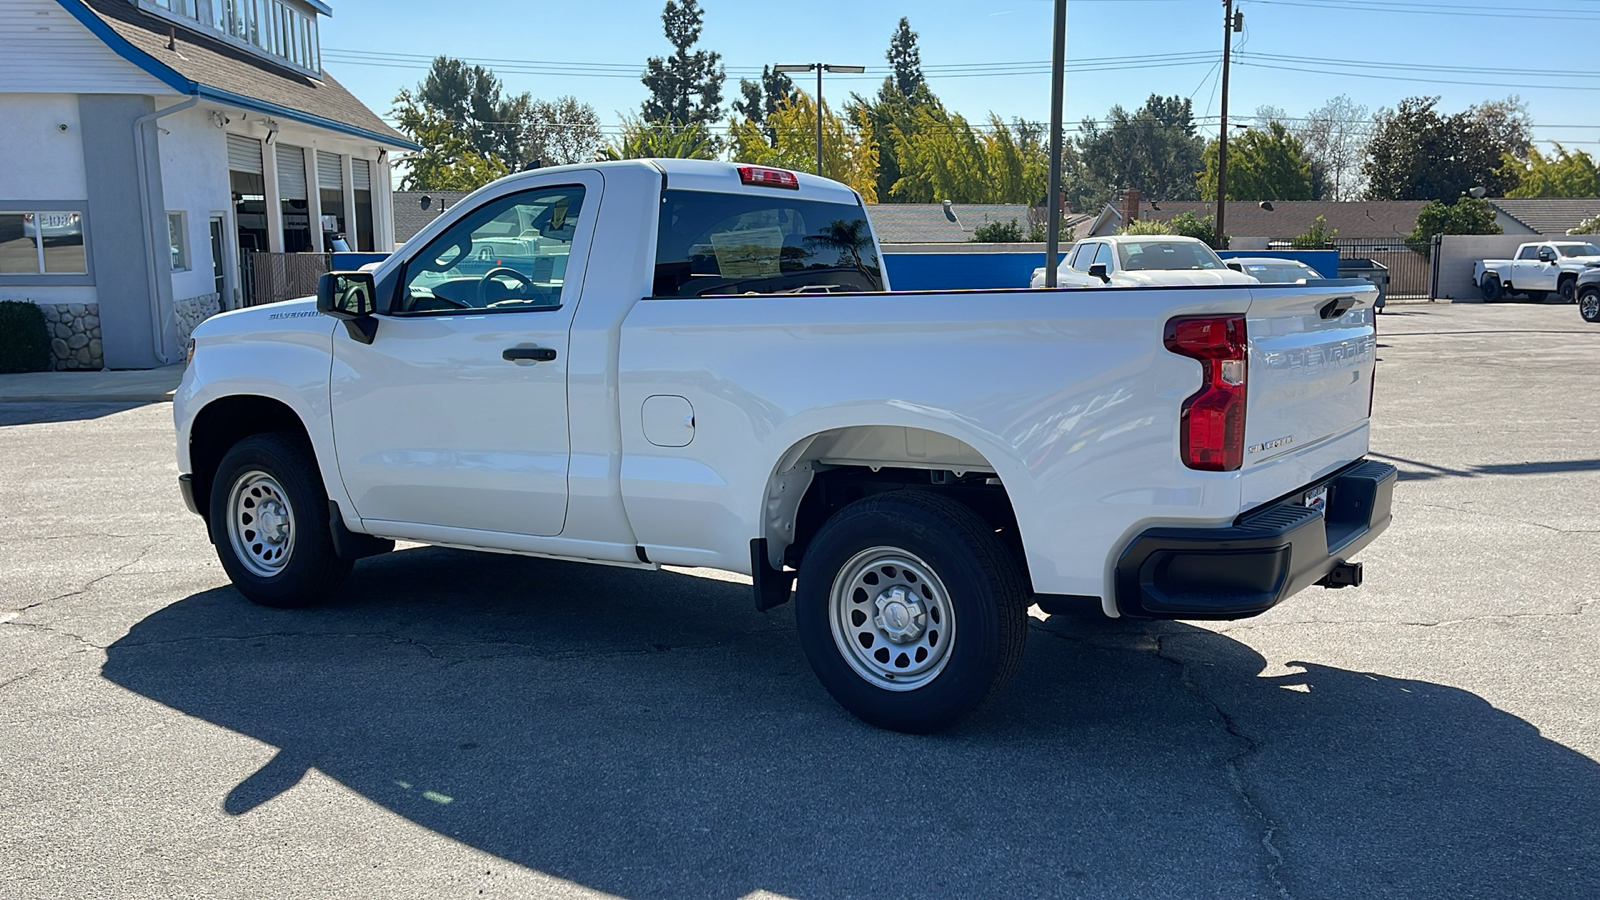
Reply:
x=320 y=7
x=127 y=51
x=182 y=85
x=228 y=97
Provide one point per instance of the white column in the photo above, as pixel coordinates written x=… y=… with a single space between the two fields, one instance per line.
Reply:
x=313 y=199
x=269 y=178
x=383 y=207
x=348 y=179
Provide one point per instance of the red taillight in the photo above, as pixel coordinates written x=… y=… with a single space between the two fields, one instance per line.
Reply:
x=1211 y=433
x=761 y=176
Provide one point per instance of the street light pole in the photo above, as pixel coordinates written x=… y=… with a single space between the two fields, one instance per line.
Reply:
x=820 y=68
x=1058 y=55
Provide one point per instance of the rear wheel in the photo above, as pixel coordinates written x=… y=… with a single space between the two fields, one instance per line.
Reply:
x=1490 y=286
x=270 y=524
x=910 y=610
x=1589 y=304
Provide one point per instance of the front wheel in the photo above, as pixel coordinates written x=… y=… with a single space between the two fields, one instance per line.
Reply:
x=910 y=610
x=1589 y=304
x=1492 y=291
x=270 y=523
x=1568 y=290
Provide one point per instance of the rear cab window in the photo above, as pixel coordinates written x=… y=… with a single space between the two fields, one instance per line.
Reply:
x=771 y=242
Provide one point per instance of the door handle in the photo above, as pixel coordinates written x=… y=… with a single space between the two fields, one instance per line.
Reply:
x=536 y=354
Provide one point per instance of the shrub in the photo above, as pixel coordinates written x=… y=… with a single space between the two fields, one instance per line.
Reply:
x=1468 y=215
x=24 y=340
x=1185 y=224
x=1317 y=237
x=1587 y=226
x=998 y=233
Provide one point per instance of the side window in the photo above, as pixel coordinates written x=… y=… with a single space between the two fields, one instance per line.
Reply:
x=1077 y=261
x=509 y=255
x=1529 y=252
x=1102 y=256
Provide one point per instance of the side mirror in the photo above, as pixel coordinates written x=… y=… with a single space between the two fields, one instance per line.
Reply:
x=1546 y=256
x=350 y=297
x=1237 y=267
x=1098 y=270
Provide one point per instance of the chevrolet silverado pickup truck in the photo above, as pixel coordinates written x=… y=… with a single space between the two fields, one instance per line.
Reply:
x=1540 y=268
x=690 y=363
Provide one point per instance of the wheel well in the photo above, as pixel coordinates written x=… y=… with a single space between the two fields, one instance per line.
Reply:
x=1568 y=276
x=826 y=472
x=227 y=421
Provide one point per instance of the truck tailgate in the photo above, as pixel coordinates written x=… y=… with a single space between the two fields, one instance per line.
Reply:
x=1312 y=354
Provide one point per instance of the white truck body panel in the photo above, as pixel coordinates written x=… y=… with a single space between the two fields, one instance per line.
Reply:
x=1070 y=399
x=1526 y=272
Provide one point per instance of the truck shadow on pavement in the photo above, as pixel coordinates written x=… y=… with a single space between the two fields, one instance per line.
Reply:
x=651 y=735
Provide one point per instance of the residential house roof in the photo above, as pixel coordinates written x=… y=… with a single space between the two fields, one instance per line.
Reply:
x=933 y=223
x=410 y=217
x=209 y=68
x=1355 y=220
x=1547 y=215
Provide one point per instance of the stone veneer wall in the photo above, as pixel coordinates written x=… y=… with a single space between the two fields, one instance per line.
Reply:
x=194 y=310
x=74 y=335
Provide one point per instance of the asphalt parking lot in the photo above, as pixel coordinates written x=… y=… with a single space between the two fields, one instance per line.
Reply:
x=465 y=725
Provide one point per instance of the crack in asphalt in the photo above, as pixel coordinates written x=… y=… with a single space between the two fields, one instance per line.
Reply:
x=1498 y=518
x=1269 y=828
x=1578 y=610
x=93 y=581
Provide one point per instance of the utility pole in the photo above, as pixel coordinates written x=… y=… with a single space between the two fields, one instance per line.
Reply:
x=820 y=67
x=1058 y=58
x=1231 y=22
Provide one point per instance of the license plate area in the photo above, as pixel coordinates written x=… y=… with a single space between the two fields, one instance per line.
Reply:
x=1316 y=498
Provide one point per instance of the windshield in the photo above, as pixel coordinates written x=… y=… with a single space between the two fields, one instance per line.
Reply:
x=762 y=242
x=1578 y=250
x=1166 y=255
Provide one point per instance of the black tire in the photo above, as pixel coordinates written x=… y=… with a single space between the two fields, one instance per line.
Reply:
x=982 y=586
x=1589 y=304
x=305 y=569
x=1492 y=291
x=1536 y=296
x=1568 y=289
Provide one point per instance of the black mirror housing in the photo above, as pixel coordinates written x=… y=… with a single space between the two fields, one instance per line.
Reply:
x=1237 y=267
x=1098 y=270
x=352 y=298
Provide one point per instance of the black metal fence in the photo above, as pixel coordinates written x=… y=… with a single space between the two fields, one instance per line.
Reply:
x=1410 y=272
x=274 y=277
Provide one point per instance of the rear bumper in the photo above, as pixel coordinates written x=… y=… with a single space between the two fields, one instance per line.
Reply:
x=1267 y=555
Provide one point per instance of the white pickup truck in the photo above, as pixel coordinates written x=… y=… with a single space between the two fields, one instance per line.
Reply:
x=1539 y=269
x=686 y=363
x=1141 y=260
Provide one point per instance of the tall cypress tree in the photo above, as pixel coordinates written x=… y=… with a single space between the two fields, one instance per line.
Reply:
x=905 y=59
x=686 y=87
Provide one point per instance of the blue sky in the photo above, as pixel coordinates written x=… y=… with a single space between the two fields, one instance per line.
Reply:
x=1120 y=51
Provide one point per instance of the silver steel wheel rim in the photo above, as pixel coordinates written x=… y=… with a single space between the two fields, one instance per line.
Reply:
x=892 y=619
x=260 y=524
x=1589 y=305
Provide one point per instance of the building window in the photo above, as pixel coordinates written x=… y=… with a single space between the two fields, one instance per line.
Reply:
x=275 y=29
x=42 y=242
x=178 y=238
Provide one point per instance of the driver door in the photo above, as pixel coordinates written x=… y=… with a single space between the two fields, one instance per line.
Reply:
x=456 y=414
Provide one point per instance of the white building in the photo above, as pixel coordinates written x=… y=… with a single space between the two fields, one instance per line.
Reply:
x=148 y=146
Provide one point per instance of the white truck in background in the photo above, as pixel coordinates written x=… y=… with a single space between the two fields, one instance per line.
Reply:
x=1141 y=260
x=1540 y=268
x=679 y=362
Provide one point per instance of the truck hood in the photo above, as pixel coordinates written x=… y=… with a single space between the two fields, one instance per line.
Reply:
x=1168 y=278
x=296 y=315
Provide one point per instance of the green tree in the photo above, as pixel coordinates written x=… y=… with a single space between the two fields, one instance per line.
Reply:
x=1466 y=215
x=1587 y=226
x=1317 y=237
x=642 y=140
x=849 y=153
x=1185 y=224
x=1154 y=149
x=762 y=98
x=1563 y=175
x=471 y=99
x=942 y=157
x=448 y=161
x=1263 y=164
x=686 y=87
x=905 y=59
x=1335 y=139
x=1417 y=153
